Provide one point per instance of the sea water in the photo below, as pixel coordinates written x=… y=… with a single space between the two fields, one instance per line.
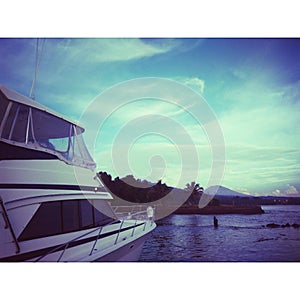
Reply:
x=240 y=238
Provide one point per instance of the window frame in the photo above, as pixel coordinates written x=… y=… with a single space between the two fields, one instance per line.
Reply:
x=31 y=235
x=75 y=140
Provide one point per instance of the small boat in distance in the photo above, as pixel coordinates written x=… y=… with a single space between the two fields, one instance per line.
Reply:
x=53 y=207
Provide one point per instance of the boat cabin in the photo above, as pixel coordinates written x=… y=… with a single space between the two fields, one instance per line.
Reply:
x=29 y=130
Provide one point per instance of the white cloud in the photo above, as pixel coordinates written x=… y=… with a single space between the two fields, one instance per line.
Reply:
x=152 y=157
x=288 y=190
x=265 y=125
x=261 y=168
x=113 y=50
x=128 y=49
x=291 y=190
x=242 y=190
x=276 y=192
x=261 y=126
x=195 y=83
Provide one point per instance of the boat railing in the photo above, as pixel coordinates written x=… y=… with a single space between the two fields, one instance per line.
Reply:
x=66 y=245
x=135 y=212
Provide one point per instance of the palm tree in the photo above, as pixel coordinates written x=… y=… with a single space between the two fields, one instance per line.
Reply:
x=193 y=187
x=195 y=191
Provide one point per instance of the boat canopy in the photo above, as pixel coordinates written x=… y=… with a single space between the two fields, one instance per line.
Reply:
x=28 y=124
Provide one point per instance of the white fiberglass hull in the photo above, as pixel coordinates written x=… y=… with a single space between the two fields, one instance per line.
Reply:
x=127 y=253
x=117 y=247
x=53 y=207
x=27 y=185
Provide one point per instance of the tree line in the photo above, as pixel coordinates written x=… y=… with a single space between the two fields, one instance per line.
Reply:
x=142 y=191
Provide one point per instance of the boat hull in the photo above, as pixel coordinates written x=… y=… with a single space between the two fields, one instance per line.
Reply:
x=53 y=207
x=119 y=242
x=128 y=253
x=25 y=188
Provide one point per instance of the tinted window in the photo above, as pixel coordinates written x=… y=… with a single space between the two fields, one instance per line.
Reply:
x=70 y=215
x=61 y=217
x=19 y=127
x=46 y=221
x=8 y=151
x=86 y=211
x=10 y=120
x=16 y=124
x=100 y=218
x=3 y=106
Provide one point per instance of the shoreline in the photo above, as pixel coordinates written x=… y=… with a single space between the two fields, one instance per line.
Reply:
x=221 y=209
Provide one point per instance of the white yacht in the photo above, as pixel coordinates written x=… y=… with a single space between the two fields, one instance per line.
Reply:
x=53 y=206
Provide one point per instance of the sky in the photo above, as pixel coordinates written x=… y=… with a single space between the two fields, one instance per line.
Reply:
x=182 y=105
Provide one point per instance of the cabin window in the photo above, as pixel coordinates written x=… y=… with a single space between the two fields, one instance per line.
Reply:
x=3 y=106
x=78 y=152
x=100 y=218
x=70 y=215
x=18 y=126
x=46 y=221
x=39 y=130
x=51 y=132
x=18 y=130
x=60 y=217
x=86 y=214
x=9 y=121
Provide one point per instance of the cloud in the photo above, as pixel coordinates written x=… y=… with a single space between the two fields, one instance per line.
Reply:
x=287 y=190
x=291 y=93
x=106 y=50
x=277 y=193
x=109 y=50
x=195 y=83
x=140 y=101
x=259 y=116
x=75 y=67
x=148 y=158
x=267 y=124
x=242 y=190
x=262 y=168
x=260 y=123
x=291 y=190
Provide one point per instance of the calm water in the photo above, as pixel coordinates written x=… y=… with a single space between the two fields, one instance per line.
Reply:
x=238 y=238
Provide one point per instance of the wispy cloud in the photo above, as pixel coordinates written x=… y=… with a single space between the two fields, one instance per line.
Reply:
x=261 y=168
x=252 y=86
x=153 y=157
x=260 y=125
x=259 y=114
x=110 y=50
x=196 y=83
x=287 y=190
x=291 y=190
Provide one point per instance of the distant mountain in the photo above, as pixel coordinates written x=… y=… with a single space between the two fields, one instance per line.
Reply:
x=223 y=191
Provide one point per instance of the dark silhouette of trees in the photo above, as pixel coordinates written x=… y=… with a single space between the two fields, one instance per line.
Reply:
x=195 y=191
x=214 y=202
x=134 y=190
x=141 y=191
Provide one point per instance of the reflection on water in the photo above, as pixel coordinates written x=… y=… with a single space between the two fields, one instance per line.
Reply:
x=237 y=238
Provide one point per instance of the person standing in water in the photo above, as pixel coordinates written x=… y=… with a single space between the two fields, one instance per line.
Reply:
x=216 y=222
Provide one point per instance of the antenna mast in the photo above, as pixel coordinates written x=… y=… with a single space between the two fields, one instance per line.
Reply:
x=37 y=63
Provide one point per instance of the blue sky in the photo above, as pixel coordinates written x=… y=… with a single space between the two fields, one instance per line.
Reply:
x=251 y=85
